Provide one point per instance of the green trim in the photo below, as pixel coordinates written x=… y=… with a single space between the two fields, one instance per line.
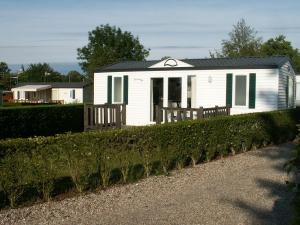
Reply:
x=229 y=89
x=109 y=89
x=125 y=90
x=252 y=90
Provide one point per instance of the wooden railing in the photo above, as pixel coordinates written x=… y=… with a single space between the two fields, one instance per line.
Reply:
x=167 y=114
x=97 y=117
x=27 y=101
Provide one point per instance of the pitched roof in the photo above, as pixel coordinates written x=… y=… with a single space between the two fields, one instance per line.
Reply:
x=55 y=84
x=202 y=64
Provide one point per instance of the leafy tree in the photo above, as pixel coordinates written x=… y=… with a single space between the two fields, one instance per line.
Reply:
x=280 y=46
x=74 y=76
x=242 y=42
x=4 y=68
x=40 y=72
x=4 y=76
x=108 y=45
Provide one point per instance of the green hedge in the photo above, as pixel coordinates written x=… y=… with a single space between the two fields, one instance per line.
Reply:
x=50 y=165
x=44 y=120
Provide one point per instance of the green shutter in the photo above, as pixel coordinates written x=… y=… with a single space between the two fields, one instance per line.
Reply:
x=229 y=89
x=125 y=90
x=252 y=90
x=109 y=89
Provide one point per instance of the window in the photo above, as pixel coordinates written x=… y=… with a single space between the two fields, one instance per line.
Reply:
x=18 y=94
x=174 y=92
x=117 y=89
x=72 y=94
x=240 y=90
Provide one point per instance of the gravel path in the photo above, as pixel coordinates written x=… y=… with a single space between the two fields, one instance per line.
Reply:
x=248 y=188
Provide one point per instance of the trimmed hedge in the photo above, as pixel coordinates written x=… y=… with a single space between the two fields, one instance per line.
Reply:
x=44 y=120
x=48 y=166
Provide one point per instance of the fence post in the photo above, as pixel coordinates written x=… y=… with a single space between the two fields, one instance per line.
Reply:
x=124 y=114
x=228 y=110
x=85 y=117
x=216 y=110
x=157 y=114
x=118 y=116
x=200 y=113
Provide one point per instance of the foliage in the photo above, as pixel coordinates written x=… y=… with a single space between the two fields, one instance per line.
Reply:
x=280 y=46
x=4 y=76
x=293 y=168
x=74 y=76
x=242 y=42
x=40 y=72
x=27 y=121
x=98 y=159
x=108 y=45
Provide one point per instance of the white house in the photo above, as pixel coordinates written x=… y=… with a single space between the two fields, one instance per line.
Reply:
x=248 y=84
x=50 y=92
x=298 y=90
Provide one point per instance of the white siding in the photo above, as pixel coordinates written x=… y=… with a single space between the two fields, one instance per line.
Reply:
x=284 y=73
x=64 y=94
x=209 y=94
x=100 y=88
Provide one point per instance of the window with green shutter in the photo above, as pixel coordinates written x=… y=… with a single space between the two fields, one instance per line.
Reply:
x=252 y=90
x=229 y=89
x=109 y=89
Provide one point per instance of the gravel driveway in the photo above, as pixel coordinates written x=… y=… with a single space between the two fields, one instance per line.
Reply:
x=248 y=188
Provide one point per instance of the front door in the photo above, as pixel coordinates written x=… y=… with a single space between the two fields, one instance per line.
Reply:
x=157 y=91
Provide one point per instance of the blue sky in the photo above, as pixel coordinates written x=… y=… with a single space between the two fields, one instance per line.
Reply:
x=51 y=31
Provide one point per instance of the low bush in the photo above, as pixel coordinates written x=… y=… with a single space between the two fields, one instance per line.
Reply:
x=94 y=159
x=293 y=168
x=44 y=120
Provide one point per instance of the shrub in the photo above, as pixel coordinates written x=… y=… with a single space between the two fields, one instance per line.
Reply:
x=28 y=121
x=293 y=168
x=86 y=156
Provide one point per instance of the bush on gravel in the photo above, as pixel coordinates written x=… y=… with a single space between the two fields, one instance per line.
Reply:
x=94 y=159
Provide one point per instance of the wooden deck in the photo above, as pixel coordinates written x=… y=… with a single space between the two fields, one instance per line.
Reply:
x=167 y=114
x=98 y=117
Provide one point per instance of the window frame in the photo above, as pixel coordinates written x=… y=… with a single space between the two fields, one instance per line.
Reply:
x=113 y=90
x=234 y=91
x=73 y=94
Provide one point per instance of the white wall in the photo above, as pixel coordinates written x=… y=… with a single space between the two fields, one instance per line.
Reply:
x=64 y=94
x=298 y=90
x=208 y=94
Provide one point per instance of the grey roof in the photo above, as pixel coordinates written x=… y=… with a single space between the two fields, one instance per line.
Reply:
x=55 y=84
x=203 y=64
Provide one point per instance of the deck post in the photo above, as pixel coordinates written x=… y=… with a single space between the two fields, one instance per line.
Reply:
x=85 y=117
x=124 y=114
x=118 y=116
x=216 y=110
x=200 y=113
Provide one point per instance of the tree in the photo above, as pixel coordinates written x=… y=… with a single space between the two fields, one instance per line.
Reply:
x=5 y=79
x=74 y=76
x=40 y=72
x=4 y=68
x=108 y=45
x=280 y=46
x=242 y=42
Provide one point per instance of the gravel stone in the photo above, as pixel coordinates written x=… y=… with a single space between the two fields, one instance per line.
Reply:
x=247 y=188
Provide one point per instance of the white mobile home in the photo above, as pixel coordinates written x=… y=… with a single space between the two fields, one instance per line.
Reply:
x=49 y=92
x=298 y=90
x=248 y=84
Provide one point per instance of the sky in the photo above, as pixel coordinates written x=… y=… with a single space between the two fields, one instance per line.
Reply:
x=34 y=31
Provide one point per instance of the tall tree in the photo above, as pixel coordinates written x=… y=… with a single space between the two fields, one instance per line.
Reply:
x=280 y=46
x=40 y=72
x=5 y=79
x=243 y=41
x=74 y=76
x=109 y=44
